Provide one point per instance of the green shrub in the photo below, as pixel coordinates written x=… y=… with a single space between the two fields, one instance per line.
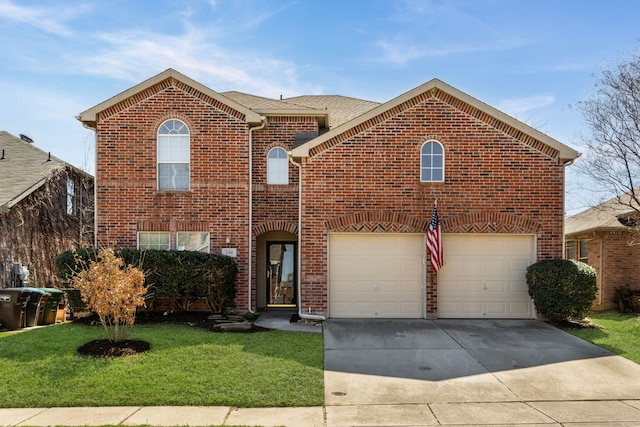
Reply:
x=181 y=276
x=562 y=288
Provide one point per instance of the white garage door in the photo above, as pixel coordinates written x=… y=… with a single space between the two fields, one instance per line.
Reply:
x=484 y=276
x=376 y=275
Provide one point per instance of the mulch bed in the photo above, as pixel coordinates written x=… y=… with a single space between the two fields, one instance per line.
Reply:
x=108 y=348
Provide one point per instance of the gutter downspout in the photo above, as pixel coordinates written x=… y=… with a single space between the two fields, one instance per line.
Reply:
x=601 y=275
x=302 y=315
x=250 y=235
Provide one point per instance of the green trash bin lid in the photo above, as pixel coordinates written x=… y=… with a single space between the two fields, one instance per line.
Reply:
x=56 y=294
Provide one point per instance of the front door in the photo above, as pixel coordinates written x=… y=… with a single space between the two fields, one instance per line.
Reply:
x=281 y=274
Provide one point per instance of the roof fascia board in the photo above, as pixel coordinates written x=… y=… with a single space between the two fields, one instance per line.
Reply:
x=89 y=116
x=566 y=153
x=297 y=113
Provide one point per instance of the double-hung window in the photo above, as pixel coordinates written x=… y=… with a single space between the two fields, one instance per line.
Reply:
x=72 y=206
x=432 y=162
x=173 y=156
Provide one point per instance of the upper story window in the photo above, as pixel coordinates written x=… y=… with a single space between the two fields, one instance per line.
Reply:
x=72 y=205
x=173 y=156
x=277 y=166
x=432 y=162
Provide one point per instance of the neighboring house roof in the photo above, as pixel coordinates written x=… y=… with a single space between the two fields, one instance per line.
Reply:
x=23 y=170
x=605 y=216
x=88 y=117
x=565 y=153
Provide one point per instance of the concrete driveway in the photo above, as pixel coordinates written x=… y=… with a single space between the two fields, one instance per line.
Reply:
x=446 y=372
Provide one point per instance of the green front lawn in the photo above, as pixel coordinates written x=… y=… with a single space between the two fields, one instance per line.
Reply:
x=619 y=333
x=185 y=366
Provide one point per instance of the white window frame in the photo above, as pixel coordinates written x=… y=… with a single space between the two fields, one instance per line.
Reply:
x=173 y=147
x=277 y=167
x=72 y=199
x=431 y=156
x=202 y=247
x=156 y=246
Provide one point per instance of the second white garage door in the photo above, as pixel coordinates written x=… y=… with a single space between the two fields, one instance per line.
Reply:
x=484 y=276
x=376 y=275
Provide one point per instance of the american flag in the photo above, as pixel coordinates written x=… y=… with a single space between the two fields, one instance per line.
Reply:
x=434 y=242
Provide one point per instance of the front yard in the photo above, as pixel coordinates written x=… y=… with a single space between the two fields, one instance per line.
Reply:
x=619 y=333
x=185 y=366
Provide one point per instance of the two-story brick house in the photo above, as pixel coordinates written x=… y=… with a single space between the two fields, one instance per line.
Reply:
x=325 y=200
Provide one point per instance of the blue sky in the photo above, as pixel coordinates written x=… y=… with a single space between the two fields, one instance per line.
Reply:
x=531 y=59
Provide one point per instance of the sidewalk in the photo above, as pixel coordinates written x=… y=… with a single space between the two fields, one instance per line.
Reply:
x=533 y=414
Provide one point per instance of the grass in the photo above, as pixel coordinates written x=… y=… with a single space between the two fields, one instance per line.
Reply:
x=185 y=366
x=619 y=333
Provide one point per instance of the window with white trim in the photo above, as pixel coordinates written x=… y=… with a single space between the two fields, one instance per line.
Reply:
x=160 y=240
x=193 y=241
x=277 y=167
x=72 y=207
x=432 y=162
x=173 y=155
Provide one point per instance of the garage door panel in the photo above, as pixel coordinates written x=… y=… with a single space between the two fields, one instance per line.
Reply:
x=376 y=275
x=488 y=276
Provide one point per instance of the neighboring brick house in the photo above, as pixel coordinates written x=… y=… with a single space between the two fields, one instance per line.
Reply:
x=606 y=238
x=173 y=171
x=46 y=207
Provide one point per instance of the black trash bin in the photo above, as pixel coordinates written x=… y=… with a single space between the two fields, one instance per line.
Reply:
x=51 y=306
x=13 y=304
x=35 y=306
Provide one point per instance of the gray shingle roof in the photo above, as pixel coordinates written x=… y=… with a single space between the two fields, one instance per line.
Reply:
x=602 y=217
x=341 y=108
x=24 y=169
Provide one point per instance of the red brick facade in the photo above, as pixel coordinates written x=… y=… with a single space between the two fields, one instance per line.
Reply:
x=615 y=257
x=370 y=181
x=498 y=179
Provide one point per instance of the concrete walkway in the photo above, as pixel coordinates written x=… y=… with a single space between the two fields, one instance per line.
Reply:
x=422 y=373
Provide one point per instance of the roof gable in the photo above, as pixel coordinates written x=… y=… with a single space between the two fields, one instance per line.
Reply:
x=23 y=170
x=89 y=117
x=453 y=97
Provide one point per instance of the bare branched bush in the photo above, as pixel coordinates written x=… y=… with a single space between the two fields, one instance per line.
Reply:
x=113 y=291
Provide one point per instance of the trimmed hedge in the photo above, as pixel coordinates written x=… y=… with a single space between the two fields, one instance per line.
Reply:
x=181 y=276
x=562 y=288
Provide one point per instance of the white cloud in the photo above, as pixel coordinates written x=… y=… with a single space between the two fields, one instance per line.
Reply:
x=135 y=56
x=518 y=107
x=47 y=20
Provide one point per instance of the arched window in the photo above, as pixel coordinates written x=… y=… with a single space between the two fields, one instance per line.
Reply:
x=173 y=156
x=277 y=166
x=432 y=162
